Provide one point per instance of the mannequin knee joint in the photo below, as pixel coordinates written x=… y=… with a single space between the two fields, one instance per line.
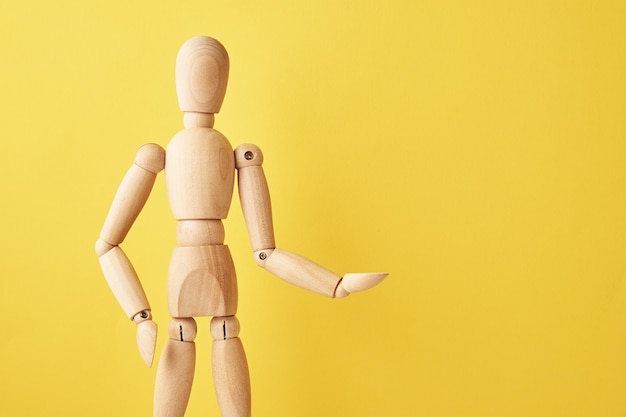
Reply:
x=223 y=328
x=183 y=330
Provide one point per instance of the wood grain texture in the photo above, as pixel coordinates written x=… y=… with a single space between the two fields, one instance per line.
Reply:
x=201 y=75
x=255 y=197
x=132 y=193
x=231 y=378
x=302 y=272
x=200 y=232
x=174 y=378
x=223 y=328
x=193 y=119
x=354 y=282
x=202 y=282
x=183 y=329
x=124 y=282
x=146 y=340
x=199 y=174
x=151 y=157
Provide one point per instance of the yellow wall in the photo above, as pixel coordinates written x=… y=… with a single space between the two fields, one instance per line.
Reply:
x=476 y=150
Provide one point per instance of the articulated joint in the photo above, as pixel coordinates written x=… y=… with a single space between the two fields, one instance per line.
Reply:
x=248 y=155
x=196 y=119
x=183 y=330
x=142 y=316
x=223 y=328
x=151 y=157
x=102 y=247
x=340 y=291
x=261 y=256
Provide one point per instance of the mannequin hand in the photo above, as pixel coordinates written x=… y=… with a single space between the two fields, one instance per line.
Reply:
x=358 y=282
x=146 y=336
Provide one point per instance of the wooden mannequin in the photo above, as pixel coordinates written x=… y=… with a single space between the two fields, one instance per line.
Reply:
x=199 y=175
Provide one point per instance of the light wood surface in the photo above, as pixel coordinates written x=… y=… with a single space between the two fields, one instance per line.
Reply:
x=183 y=329
x=146 y=340
x=123 y=281
x=102 y=247
x=200 y=232
x=202 y=282
x=132 y=193
x=201 y=75
x=223 y=328
x=174 y=378
x=200 y=169
x=151 y=157
x=192 y=119
x=255 y=197
x=199 y=174
x=354 y=282
x=301 y=272
x=231 y=378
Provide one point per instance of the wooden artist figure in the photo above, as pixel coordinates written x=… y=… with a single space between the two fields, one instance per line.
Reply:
x=199 y=165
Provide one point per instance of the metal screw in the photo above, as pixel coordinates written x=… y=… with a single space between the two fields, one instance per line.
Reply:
x=248 y=155
x=262 y=256
x=144 y=314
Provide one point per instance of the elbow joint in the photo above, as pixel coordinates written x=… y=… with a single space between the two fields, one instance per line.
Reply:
x=103 y=247
x=261 y=256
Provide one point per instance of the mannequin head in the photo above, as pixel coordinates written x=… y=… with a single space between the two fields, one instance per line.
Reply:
x=201 y=75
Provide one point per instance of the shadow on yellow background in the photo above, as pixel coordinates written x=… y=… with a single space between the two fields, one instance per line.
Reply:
x=475 y=150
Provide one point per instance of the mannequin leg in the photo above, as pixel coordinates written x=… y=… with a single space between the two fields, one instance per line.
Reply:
x=176 y=369
x=230 y=368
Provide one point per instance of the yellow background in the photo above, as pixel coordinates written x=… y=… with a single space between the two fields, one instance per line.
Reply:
x=474 y=149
